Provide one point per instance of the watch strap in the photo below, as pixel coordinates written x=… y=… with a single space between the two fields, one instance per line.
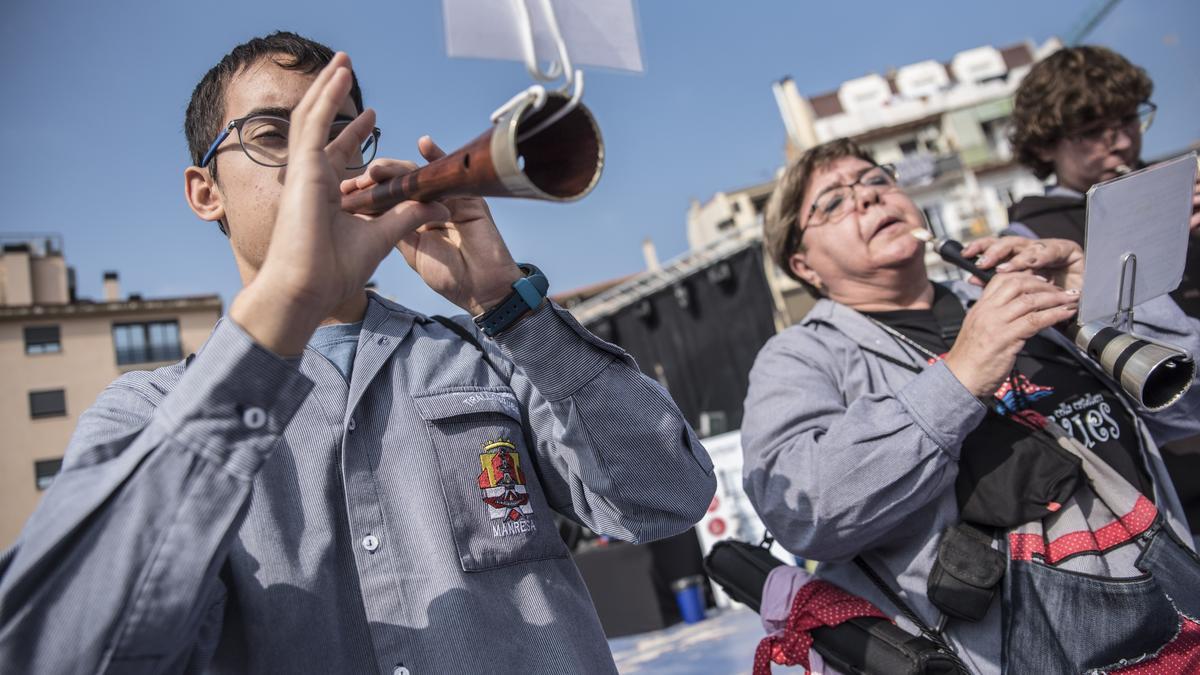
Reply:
x=528 y=293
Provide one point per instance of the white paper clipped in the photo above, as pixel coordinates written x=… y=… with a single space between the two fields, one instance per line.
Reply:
x=1145 y=213
x=597 y=32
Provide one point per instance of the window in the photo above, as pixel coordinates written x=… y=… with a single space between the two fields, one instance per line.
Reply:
x=997 y=132
x=50 y=403
x=42 y=340
x=147 y=342
x=45 y=471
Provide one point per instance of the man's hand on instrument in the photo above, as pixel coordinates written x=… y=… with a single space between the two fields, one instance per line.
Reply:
x=462 y=257
x=1059 y=260
x=319 y=255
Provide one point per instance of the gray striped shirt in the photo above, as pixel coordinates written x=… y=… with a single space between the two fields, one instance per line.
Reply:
x=243 y=514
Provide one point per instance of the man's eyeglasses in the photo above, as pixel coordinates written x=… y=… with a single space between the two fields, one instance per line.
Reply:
x=264 y=139
x=1106 y=131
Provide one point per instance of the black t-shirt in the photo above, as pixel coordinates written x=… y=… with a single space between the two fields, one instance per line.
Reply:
x=1047 y=385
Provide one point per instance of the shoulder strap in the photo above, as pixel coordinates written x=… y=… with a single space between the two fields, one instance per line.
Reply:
x=463 y=333
x=932 y=635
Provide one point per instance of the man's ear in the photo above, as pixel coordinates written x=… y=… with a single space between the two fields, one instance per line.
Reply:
x=203 y=195
x=799 y=266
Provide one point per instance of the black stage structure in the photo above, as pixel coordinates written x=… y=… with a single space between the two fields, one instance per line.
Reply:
x=695 y=326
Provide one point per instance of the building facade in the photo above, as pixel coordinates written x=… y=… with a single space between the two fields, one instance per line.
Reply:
x=57 y=353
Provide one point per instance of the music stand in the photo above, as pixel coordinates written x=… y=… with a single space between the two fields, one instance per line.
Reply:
x=1159 y=200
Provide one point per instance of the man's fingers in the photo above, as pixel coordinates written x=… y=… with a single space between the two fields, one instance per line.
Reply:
x=318 y=84
x=429 y=150
x=312 y=118
x=378 y=171
x=404 y=219
x=346 y=149
x=386 y=169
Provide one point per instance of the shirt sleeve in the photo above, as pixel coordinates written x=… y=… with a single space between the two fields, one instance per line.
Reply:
x=612 y=448
x=119 y=562
x=832 y=474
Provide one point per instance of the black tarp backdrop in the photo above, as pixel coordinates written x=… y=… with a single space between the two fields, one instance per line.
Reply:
x=700 y=335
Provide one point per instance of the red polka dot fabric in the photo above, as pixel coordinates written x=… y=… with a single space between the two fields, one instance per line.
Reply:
x=817 y=603
x=1181 y=655
x=1024 y=546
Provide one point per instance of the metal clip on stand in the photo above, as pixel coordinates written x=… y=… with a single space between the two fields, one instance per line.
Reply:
x=1124 y=316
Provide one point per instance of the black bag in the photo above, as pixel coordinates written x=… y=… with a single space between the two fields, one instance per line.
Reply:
x=965 y=577
x=741 y=569
x=1009 y=474
x=861 y=646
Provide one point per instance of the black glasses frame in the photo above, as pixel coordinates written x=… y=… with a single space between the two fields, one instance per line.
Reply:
x=798 y=236
x=372 y=142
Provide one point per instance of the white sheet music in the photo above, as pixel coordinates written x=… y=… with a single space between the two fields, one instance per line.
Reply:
x=597 y=32
x=1144 y=213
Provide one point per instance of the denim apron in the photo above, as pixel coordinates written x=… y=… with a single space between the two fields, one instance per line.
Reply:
x=1103 y=585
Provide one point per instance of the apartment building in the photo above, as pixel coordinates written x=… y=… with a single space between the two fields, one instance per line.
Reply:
x=58 y=352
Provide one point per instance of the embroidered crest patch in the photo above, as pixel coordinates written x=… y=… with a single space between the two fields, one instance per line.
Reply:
x=503 y=485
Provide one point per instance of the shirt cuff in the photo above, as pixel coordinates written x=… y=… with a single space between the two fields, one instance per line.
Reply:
x=555 y=352
x=942 y=407
x=234 y=401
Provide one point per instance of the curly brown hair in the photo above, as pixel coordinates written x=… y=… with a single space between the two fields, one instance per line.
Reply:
x=781 y=228
x=1071 y=88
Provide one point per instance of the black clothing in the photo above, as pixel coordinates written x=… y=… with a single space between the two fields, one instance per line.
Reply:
x=1052 y=217
x=1047 y=386
x=1063 y=217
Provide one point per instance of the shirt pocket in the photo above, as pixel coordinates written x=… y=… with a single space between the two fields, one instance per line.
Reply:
x=497 y=510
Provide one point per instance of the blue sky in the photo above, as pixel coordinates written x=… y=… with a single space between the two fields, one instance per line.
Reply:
x=94 y=95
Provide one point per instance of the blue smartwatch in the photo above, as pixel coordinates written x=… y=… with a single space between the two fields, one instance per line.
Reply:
x=528 y=293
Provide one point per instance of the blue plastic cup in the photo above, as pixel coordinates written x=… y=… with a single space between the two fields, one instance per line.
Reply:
x=689 y=595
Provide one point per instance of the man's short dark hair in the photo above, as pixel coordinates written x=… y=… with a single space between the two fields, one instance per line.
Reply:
x=1068 y=90
x=205 y=112
x=781 y=222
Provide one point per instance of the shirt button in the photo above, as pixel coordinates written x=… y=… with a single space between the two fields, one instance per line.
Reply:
x=351 y=424
x=401 y=670
x=254 y=418
x=370 y=542
x=383 y=339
